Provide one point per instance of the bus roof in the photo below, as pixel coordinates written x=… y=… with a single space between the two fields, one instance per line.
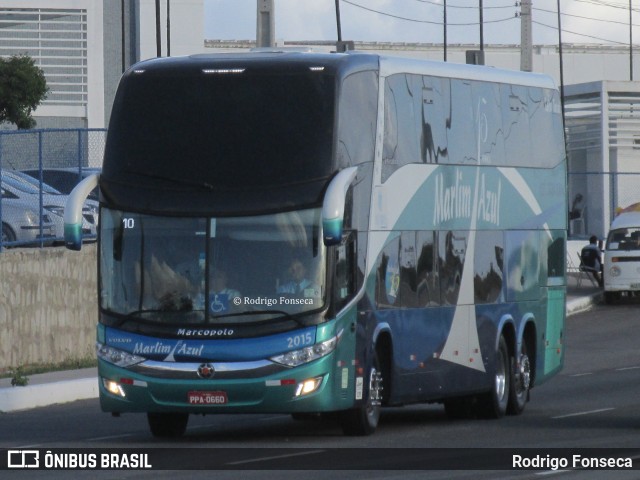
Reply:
x=354 y=60
x=390 y=65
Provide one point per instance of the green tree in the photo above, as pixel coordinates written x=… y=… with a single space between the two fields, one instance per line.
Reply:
x=22 y=88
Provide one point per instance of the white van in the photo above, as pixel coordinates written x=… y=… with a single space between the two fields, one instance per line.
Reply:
x=622 y=257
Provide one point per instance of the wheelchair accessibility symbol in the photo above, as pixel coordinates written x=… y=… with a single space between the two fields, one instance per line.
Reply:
x=219 y=303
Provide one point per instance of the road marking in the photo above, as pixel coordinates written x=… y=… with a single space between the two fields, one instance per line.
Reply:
x=627 y=368
x=555 y=472
x=110 y=437
x=275 y=457
x=581 y=374
x=589 y=412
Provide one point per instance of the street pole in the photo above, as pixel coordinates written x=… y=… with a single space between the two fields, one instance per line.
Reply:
x=526 y=39
x=481 y=27
x=561 y=64
x=444 y=41
x=338 y=25
x=158 y=46
x=168 y=28
x=122 y=36
x=265 y=23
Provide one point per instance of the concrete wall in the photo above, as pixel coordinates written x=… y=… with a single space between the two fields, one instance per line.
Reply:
x=48 y=305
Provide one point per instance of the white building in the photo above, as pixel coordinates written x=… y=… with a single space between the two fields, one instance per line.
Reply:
x=603 y=146
x=83 y=46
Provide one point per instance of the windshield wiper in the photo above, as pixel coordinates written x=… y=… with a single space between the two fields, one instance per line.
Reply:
x=282 y=314
x=163 y=311
x=179 y=181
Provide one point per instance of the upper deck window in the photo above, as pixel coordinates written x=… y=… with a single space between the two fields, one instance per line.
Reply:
x=233 y=130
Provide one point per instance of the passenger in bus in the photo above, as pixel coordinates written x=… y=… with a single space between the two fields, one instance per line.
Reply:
x=591 y=259
x=221 y=296
x=300 y=284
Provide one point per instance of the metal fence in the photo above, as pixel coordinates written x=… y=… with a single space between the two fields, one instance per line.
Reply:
x=39 y=168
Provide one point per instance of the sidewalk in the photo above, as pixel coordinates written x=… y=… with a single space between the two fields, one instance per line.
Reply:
x=48 y=389
x=581 y=297
x=68 y=386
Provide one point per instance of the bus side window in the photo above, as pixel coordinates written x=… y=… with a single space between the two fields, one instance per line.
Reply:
x=428 y=285
x=345 y=270
x=488 y=268
x=388 y=275
x=452 y=248
x=408 y=281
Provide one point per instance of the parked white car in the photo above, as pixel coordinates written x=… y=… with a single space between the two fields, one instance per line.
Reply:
x=53 y=202
x=63 y=179
x=21 y=223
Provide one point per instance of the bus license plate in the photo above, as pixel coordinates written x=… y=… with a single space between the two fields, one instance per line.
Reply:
x=207 y=398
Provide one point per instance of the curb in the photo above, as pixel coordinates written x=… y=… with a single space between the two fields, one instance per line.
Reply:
x=583 y=303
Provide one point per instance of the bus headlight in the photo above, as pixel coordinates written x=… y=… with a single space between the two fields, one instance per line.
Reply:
x=308 y=354
x=614 y=271
x=118 y=357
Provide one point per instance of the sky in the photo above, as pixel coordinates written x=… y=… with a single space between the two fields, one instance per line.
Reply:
x=421 y=21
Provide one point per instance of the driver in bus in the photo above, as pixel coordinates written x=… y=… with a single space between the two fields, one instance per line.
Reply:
x=299 y=285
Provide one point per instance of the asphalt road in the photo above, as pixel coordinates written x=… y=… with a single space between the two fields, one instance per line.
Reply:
x=593 y=403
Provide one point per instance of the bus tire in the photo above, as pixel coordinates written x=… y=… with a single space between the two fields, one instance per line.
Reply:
x=363 y=420
x=493 y=404
x=167 y=425
x=520 y=381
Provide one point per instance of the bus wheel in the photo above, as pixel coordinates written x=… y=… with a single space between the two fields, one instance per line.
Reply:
x=520 y=382
x=167 y=425
x=493 y=404
x=364 y=419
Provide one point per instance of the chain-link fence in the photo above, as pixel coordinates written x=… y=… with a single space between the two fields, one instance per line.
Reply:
x=39 y=168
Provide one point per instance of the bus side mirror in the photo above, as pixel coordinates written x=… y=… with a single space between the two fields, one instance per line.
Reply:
x=333 y=206
x=73 y=212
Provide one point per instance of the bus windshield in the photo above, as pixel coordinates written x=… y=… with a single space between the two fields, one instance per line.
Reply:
x=211 y=270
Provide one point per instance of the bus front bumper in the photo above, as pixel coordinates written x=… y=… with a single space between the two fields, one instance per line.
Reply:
x=319 y=386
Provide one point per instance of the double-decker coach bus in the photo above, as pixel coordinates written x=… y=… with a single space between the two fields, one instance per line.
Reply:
x=312 y=233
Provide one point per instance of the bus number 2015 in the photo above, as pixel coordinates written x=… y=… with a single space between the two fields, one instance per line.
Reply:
x=300 y=340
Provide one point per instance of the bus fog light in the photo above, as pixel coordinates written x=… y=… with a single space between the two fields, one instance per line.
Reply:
x=113 y=387
x=308 y=386
x=614 y=271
